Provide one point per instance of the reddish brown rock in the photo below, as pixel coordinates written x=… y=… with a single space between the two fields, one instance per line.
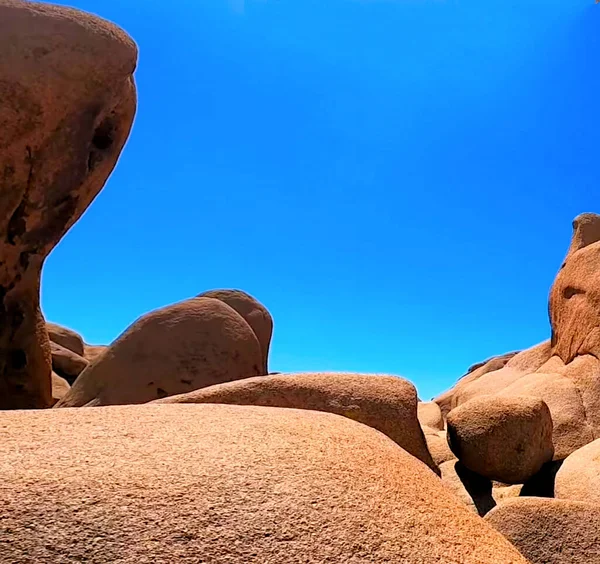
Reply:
x=575 y=295
x=66 y=338
x=579 y=476
x=93 y=352
x=507 y=439
x=66 y=363
x=550 y=531
x=222 y=483
x=68 y=102
x=386 y=403
x=60 y=387
x=255 y=314
x=179 y=348
x=430 y=415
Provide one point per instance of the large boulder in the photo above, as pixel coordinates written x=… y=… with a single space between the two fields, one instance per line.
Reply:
x=255 y=314
x=68 y=102
x=66 y=338
x=550 y=531
x=579 y=476
x=223 y=483
x=507 y=439
x=386 y=403
x=179 y=348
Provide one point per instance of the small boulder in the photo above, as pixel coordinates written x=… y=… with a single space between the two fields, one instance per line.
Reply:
x=507 y=439
x=255 y=314
x=66 y=338
x=386 y=403
x=225 y=483
x=179 y=348
x=579 y=476
x=550 y=531
x=430 y=415
x=437 y=444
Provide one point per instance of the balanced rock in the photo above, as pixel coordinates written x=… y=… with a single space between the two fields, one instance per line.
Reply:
x=579 y=476
x=255 y=314
x=550 y=531
x=66 y=338
x=386 y=403
x=507 y=439
x=67 y=105
x=67 y=363
x=179 y=348
x=223 y=483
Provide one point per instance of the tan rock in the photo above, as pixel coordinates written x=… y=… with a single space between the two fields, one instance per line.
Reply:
x=473 y=490
x=93 y=352
x=221 y=483
x=430 y=415
x=179 y=348
x=579 y=476
x=502 y=438
x=437 y=444
x=66 y=338
x=68 y=102
x=66 y=363
x=255 y=314
x=550 y=531
x=386 y=403
x=60 y=387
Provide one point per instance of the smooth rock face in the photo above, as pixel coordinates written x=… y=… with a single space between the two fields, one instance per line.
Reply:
x=255 y=314
x=66 y=338
x=66 y=363
x=507 y=439
x=386 y=403
x=179 y=348
x=550 y=531
x=60 y=387
x=220 y=483
x=68 y=102
x=92 y=352
x=579 y=476
x=430 y=415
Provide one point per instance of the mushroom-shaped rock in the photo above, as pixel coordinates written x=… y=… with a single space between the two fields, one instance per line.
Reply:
x=182 y=347
x=224 y=483
x=68 y=102
x=507 y=439
x=430 y=415
x=575 y=296
x=60 y=387
x=66 y=338
x=66 y=363
x=578 y=478
x=550 y=531
x=386 y=403
x=255 y=314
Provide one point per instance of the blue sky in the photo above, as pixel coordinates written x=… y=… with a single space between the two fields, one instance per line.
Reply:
x=394 y=180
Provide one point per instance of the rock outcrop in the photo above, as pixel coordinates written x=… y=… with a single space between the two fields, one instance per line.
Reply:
x=255 y=314
x=386 y=403
x=183 y=347
x=68 y=102
x=507 y=439
x=550 y=531
x=222 y=483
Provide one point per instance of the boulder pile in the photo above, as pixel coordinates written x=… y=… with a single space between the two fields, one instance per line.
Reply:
x=176 y=444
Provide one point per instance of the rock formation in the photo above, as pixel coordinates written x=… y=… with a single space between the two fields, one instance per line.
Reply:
x=223 y=483
x=68 y=102
x=183 y=347
x=579 y=476
x=386 y=403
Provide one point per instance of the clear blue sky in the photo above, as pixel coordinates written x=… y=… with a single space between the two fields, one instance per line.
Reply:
x=394 y=180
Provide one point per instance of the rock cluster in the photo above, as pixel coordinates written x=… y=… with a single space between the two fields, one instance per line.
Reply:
x=227 y=462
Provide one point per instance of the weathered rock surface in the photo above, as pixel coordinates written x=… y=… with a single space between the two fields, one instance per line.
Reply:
x=507 y=439
x=68 y=102
x=386 y=403
x=179 y=348
x=255 y=314
x=92 y=352
x=221 y=483
x=430 y=415
x=66 y=363
x=60 y=387
x=437 y=444
x=66 y=338
x=550 y=531
x=579 y=476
